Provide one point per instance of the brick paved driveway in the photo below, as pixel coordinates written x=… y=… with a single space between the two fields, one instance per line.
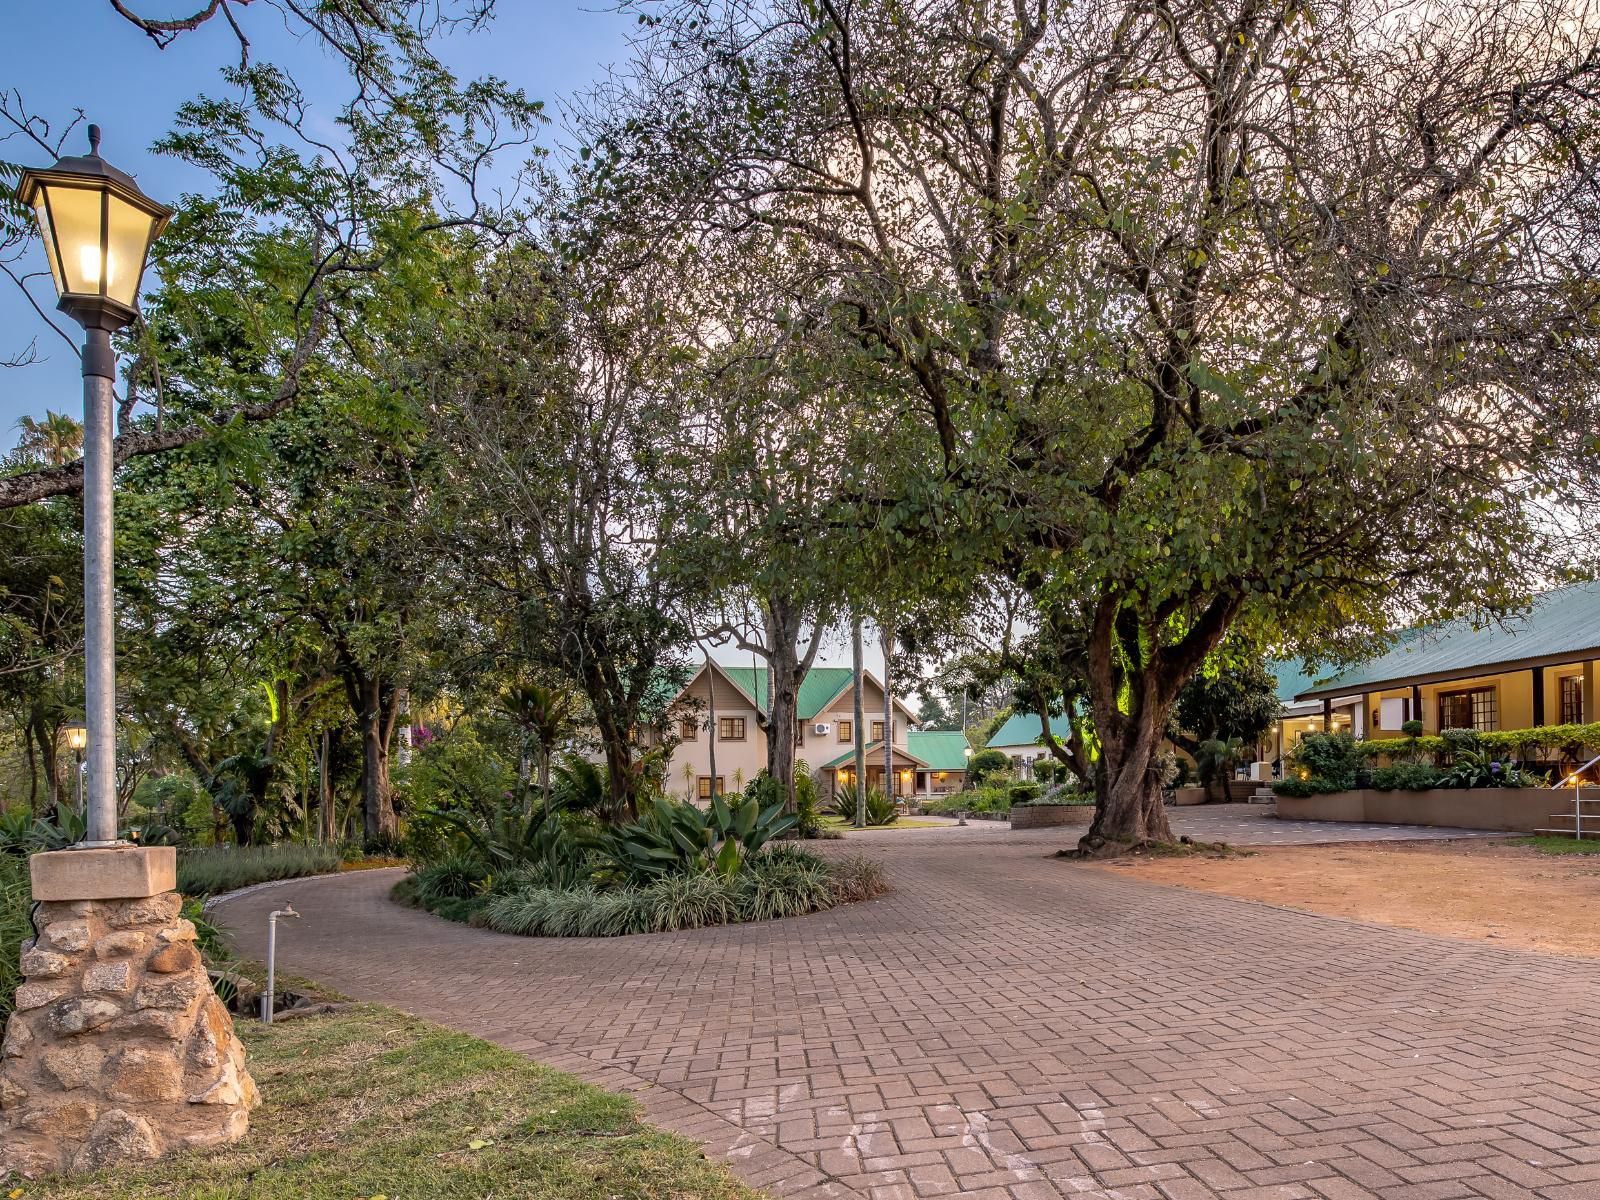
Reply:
x=1009 y=1026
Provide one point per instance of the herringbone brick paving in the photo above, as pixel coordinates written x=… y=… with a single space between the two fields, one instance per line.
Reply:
x=1012 y=1027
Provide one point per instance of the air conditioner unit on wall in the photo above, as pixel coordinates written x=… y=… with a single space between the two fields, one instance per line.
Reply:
x=822 y=729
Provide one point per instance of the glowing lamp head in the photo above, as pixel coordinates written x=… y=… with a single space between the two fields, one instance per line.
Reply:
x=97 y=228
x=77 y=735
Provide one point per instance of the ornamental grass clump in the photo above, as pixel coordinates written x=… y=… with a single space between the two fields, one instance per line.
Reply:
x=217 y=869
x=781 y=881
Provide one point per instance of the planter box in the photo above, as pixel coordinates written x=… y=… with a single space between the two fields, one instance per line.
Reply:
x=1515 y=810
x=1050 y=816
x=1189 y=795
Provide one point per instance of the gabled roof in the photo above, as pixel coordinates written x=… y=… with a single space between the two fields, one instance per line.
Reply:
x=1560 y=626
x=942 y=750
x=820 y=687
x=873 y=748
x=1025 y=729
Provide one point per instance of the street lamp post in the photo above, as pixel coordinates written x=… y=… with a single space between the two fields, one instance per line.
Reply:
x=97 y=228
x=112 y=977
x=77 y=739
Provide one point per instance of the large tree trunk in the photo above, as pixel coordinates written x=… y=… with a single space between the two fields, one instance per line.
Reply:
x=380 y=826
x=1133 y=682
x=786 y=671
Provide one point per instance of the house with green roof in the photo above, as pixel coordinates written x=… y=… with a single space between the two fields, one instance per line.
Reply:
x=1537 y=668
x=1021 y=739
x=725 y=707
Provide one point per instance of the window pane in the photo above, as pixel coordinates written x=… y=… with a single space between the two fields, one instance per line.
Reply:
x=75 y=214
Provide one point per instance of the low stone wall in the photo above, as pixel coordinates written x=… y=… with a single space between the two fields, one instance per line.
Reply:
x=1050 y=816
x=1189 y=795
x=1515 y=810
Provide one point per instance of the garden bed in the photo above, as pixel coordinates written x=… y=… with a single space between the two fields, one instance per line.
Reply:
x=781 y=881
x=370 y=1102
x=1514 y=810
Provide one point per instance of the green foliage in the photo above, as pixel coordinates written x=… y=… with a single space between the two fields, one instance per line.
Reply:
x=1024 y=793
x=1477 y=769
x=1332 y=758
x=1401 y=747
x=1406 y=777
x=214 y=870
x=454 y=877
x=1233 y=704
x=16 y=905
x=1296 y=786
x=1412 y=728
x=985 y=763
x=21 y=833
x=679 y=838
x=780 y=881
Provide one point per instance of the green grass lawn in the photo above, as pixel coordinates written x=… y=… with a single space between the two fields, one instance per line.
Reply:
x=370 y=1103
x=1548 y=844
x=829 y=821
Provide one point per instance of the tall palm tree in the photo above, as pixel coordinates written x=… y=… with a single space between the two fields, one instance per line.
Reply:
x=57 y=439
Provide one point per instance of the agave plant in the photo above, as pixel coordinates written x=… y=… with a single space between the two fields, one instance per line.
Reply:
x=683 y=839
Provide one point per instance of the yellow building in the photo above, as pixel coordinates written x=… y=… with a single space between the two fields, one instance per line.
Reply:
x=1538 y=669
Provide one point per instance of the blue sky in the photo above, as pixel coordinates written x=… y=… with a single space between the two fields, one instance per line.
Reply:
x=64 y=55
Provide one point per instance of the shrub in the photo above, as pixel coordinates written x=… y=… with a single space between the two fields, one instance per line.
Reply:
x=1330 y=757
x=1295 y=786
x=454 y=877
x=1412 y=729
x=781 y=881
x=217 y=869
x=784 y=885
x=674 y=838
x=1045 y=769
x=1023 y=793
x=1406 y=777
x=985 y=763
x=689 y=901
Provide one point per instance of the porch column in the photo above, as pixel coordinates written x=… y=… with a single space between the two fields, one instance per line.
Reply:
x=1538 y=696
x=1416 y=706
x=1591 y=672
x=1327 y=714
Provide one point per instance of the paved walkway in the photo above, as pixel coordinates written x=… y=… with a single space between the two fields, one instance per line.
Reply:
x=1013 y=1027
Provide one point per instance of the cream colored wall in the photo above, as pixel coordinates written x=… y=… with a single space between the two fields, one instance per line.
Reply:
x=843 y=709
x=737 y=761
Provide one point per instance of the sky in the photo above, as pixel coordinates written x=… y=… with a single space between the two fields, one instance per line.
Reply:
x=66 y=55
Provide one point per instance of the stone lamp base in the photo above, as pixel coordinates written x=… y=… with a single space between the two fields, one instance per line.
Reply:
x=118 y=1049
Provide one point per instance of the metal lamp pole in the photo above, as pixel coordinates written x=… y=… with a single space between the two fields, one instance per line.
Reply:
x=97 y=228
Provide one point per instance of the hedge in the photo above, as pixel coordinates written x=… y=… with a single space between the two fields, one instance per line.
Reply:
x=1577 y=739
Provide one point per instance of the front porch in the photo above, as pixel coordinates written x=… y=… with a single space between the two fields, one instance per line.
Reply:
x=908 y=769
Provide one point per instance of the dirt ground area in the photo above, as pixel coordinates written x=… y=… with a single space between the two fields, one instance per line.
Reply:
x=1489 y=890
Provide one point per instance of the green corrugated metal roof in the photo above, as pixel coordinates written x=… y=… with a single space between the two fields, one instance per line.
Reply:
x=820 y=685
x=1563 y=622
x=942 y=750
x=1292 y=676
x=1024 y=729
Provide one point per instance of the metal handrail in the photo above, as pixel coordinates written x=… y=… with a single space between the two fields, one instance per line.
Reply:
x=1576 y=780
